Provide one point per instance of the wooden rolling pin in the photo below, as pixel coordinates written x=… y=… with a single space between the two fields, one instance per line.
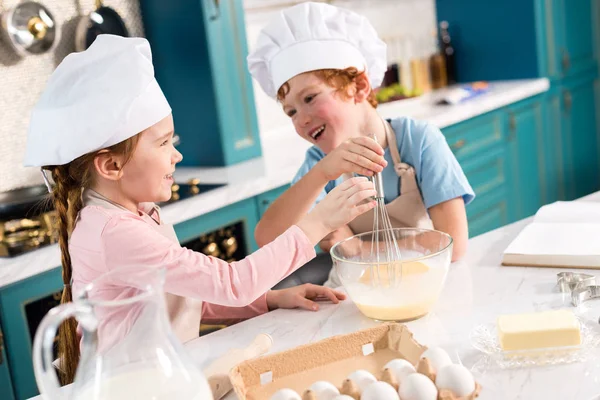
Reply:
x=217 y=372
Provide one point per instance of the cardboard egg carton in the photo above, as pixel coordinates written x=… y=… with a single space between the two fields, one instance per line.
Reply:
x=333 y=359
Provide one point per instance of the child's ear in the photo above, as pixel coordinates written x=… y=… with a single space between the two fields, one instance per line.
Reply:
x=363 y=88
x=108 y=165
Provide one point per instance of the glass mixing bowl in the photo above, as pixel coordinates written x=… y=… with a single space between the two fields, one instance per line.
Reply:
x=394 y=291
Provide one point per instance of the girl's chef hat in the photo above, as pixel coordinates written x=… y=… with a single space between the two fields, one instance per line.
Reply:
x=312 y=36
x=95 y=99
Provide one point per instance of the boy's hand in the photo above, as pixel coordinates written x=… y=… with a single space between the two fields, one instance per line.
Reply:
x=302 y=297
x=334 y=237
x=361 y=155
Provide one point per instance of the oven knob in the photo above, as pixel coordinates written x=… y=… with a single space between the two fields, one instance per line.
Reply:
x=194 y=182
x=211 y=249
x=230 y=244
x=174 y=192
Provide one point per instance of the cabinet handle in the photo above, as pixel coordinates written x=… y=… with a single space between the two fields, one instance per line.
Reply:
x=1 y=348
x=566 y=61
x=568 y=99
x=217 y=7
x=265 y=202
x=458 y=145
x=512 y=127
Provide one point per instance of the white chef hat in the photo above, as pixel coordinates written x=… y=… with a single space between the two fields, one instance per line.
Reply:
x=95 y=99
x=312 y=36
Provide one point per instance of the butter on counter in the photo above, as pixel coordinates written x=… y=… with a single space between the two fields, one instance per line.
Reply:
x=545 y=329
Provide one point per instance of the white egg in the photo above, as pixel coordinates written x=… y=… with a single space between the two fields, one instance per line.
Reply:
x=343 y=397
x=362 y=379
x=437 y=357
x=417 y=387
x=400 y=368
x=324 y=390
x=379 y=391
x=286 y=394
x=457 y=379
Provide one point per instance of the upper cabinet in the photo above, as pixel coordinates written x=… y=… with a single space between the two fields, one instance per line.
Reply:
x=199 y=53
x=516 y=39
x=574 y=35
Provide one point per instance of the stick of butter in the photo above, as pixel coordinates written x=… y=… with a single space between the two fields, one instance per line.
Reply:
x=538 y=330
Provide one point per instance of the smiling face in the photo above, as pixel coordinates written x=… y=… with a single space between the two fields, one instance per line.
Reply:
x=326 y=112
x=148 y=176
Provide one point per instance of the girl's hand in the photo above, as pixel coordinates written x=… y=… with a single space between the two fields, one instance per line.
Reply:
x=302 y=297
x=361 y=155
x=344 y=203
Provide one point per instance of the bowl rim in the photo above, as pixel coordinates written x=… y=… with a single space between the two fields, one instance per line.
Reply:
x=450 y=243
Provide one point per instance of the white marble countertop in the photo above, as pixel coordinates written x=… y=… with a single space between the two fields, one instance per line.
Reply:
x=283 y=153
x=477 y=290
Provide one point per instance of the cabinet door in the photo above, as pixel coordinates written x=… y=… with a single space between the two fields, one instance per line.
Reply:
x=580 y=136
x=554 y=149
x=487 y=175
x=243 y=211
x=199 y=53
x=6 y=389
x=264 y=200
x=525 y=139
x=575 y=35
x=22 y=306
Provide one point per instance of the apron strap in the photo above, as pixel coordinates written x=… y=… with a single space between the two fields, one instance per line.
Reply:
x=390 y=135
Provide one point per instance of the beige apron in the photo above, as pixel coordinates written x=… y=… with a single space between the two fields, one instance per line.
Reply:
x=406 y=210
x=184 y=312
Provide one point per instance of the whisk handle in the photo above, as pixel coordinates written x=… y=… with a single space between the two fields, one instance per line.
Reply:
x=378 y=183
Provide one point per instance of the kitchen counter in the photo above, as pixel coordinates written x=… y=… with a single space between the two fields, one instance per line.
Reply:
x=477 y=290
x=283 y=153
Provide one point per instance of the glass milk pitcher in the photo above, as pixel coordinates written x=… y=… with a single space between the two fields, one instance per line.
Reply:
x=128 y=350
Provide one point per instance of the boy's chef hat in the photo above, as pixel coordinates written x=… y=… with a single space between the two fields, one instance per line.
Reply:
x=95 y=99
x=312 y=36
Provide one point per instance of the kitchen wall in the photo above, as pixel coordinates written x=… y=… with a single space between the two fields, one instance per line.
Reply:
x=23 y=79
x=407 y=26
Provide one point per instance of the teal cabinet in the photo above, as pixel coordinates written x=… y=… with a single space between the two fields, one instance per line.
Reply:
x=6 y=389
x=503 y=156
x=574 y=35
x=199 y=53
x=264 y=200
x=480 y=146
x=578 y=117
x=525 y=140
x=16 y=313
x=516 y=39
x=243 y=211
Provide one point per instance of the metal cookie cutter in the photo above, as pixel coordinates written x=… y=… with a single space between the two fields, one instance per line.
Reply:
x=582 y=294
x=569 y=281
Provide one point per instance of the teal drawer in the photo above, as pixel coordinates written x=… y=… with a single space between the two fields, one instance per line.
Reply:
x=264 y=200
x=489 y=211
x=475 y=136
x=487 y=172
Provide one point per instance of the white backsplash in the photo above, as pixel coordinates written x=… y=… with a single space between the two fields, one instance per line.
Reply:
x=406 y=25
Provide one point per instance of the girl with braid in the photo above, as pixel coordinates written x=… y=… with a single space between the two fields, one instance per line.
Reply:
x=104 y=130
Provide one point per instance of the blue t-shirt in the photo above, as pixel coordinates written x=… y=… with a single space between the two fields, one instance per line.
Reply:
x=422 y=145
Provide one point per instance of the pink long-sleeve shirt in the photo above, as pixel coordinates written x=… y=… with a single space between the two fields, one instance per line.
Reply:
x=108 y=236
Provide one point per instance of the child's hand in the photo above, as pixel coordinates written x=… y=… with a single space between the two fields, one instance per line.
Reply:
x=334 y=237
x=361 y=155
x=302 y=297
x=338 y=208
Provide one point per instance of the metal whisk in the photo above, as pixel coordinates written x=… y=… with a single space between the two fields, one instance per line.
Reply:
x=384 y=246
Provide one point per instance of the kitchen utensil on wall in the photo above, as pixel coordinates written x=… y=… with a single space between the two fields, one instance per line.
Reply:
x=30 y=28
x=100 y=21
x=217 y=372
